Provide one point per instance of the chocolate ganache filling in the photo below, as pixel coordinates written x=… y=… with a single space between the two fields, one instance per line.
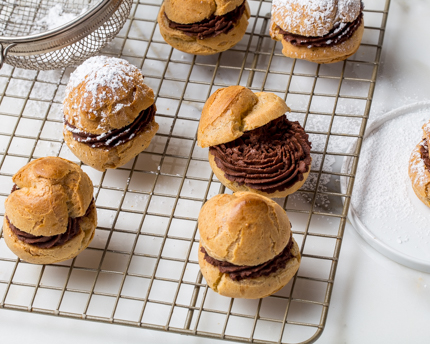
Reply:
x=211 y=27
x=424 y=151
x=114 y=137
x=240 y=272
x=73 y=229
x=270 y=158
x=340 y=33
x=47 y=241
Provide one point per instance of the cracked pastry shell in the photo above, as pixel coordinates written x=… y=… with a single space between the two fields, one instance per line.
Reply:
x=51 y=190
x=229 y=113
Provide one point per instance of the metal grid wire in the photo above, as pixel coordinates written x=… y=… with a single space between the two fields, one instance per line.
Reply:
x=22 y=18
x=141 y=268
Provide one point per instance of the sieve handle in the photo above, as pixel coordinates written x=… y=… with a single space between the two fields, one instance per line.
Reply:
x=3 y=52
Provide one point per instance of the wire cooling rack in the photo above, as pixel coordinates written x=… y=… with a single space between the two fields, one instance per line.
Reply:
x=141 y=268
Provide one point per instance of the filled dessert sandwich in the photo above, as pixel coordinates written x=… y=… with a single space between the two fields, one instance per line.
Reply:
x=321 y=31
x=252 y=144
x=419 y=167
x=246 y=247
x=203 y=27
x=108 y=112
x=50 y=215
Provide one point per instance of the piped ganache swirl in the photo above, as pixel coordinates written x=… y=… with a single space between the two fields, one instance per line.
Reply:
x=339 y=34
x=211 y=27
x=240 y=272
x=270 y=158
x=114 y=137
x=73 y=229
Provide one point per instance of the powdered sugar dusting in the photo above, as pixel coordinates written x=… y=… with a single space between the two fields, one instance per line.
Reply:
x=383 y=197
x=312 y=183
x=347 y=7
x=98 y=72
x=101 y=71
x=316 y=17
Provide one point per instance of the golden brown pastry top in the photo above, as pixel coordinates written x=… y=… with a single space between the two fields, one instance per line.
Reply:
x=243 y=228
x=194 y=11
x=313 y=17
x=50 y=191
x=231 y=111
x=105 y=93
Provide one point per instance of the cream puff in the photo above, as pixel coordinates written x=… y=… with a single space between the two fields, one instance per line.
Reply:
x=419 y=167
x=252 y=145
x=321 y=31
x=50 y=215
x=246 y=246
x=203 y=27
x=108 y=112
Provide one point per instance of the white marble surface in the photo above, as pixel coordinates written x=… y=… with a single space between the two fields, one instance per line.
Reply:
x=374 y=299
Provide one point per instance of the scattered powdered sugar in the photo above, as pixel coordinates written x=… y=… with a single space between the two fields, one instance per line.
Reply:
x=57 y=17
x=320 y=15
x=321 y=200
x=383 y=197
x=331 y=163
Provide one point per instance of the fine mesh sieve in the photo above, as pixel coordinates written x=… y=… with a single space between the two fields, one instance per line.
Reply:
x=27 y=40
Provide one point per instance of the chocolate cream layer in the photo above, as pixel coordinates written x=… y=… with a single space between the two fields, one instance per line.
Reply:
x=270 y=158
x=424 y=151
x=340 y=33
x=240 y=272
x=211 y=27
x=47 y=241
x=73 y=229
x=114 y=137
